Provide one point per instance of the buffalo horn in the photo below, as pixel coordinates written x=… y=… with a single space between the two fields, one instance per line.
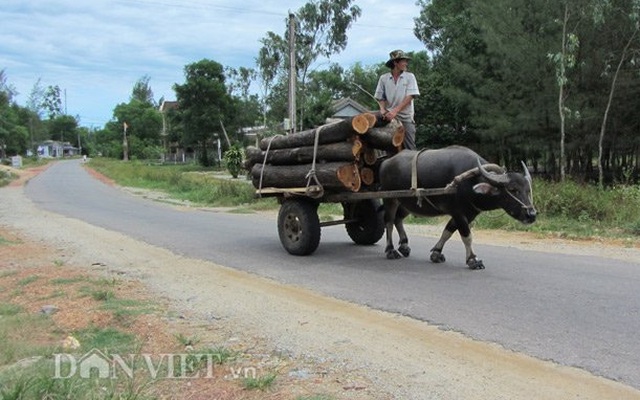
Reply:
x=494 y=179
x=527 y=175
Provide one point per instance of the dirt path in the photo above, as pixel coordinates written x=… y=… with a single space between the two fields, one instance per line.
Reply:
x=376 y=355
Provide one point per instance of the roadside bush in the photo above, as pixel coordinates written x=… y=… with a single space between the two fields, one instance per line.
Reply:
x=151 y=153
x=6 y=177
x=233 y=160
x=576 y=201
x=575 y=210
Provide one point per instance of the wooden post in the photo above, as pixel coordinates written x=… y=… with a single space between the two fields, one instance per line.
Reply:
x=293 y=76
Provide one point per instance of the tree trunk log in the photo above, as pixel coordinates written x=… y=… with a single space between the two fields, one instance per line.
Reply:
x=335 y=175
x=368 y=176
x=369 y=155
x=388 y=137
x=341 y=151
x=371 y=118
x=361 y=123
x=329 y=133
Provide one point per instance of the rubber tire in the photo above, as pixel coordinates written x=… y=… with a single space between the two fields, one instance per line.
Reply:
x=299 y=226
x=369 y=228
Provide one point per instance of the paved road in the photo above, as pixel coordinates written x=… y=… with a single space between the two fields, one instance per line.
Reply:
x=575 y=310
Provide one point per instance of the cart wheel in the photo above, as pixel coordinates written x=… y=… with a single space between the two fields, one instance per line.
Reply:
x=299 y=226
x=369 y=227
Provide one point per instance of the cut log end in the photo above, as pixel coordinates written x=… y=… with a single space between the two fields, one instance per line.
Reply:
x=370 y=156
x=367 y=176
x=350 y=177
x=357 y=148
x=371 y=118
x=398 y=136
x=360 y=124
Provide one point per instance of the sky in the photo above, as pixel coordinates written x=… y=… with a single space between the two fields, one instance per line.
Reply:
x=96 y=50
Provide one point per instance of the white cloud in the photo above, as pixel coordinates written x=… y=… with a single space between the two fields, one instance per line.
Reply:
x=96 y=50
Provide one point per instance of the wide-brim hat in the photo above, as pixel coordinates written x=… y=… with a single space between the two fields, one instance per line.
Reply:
x=396 y=55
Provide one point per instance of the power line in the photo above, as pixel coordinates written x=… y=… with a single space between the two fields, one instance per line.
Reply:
x=197 y=5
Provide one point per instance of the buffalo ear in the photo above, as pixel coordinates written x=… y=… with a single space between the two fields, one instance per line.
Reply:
x=486 y=189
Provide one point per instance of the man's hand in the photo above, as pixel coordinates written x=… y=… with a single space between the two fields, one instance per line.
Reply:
x=390 y=114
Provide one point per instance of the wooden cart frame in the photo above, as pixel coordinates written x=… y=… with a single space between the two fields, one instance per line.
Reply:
x=299 y=225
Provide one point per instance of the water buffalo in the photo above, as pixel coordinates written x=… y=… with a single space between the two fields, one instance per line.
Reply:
x=478 y=190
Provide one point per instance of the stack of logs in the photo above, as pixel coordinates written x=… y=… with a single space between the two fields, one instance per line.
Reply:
x=346 y=155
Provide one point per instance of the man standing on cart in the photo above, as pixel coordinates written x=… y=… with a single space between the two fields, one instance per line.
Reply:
x=395 y=92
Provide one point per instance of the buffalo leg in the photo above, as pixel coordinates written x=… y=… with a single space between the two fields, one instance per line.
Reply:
x=403 y=246
x=390 y=212
x=447 y=232
x=462 y=226
x=473 y=262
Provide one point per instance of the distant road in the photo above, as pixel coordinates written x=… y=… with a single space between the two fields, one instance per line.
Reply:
x=576 y=310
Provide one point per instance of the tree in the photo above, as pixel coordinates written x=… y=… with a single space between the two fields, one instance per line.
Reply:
x=36 y=98
x=7 y=90
x=358 y=79
x=142 y=92
x=52 y=102
x=490 y=61
x=63 y=128
x=144 y=126
x=269 y=62
x=491 y=64
x=14 y=136
x=321 y=31
x=238 y=82
x=633 y=21
x=564 y=61
x=204 y=103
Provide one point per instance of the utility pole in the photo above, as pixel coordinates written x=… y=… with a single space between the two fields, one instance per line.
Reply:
x=125 y=143
x=32 y=148
x=292 y=72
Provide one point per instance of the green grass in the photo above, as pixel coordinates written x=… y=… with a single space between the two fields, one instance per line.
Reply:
x=220 y=355
x=4 y=274
x=67 y=281
x=184 y=182
x=123 y=309
x=8 y=309
x=16 y=325
x=30 y=162
x=187 y=340
x=260 y=382
x=109 y=340
x=28 y=280
x=575 y=210
x=6 y=177
x=6 y=242
x=28 y=342
x=102 y=295
x=38 y=381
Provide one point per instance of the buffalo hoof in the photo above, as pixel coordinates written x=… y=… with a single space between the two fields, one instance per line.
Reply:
x=437 y=257
x=393 y=255
x=475 y=263
x=404 y=250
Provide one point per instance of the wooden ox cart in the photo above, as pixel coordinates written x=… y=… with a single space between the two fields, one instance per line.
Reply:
x=335 y=163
